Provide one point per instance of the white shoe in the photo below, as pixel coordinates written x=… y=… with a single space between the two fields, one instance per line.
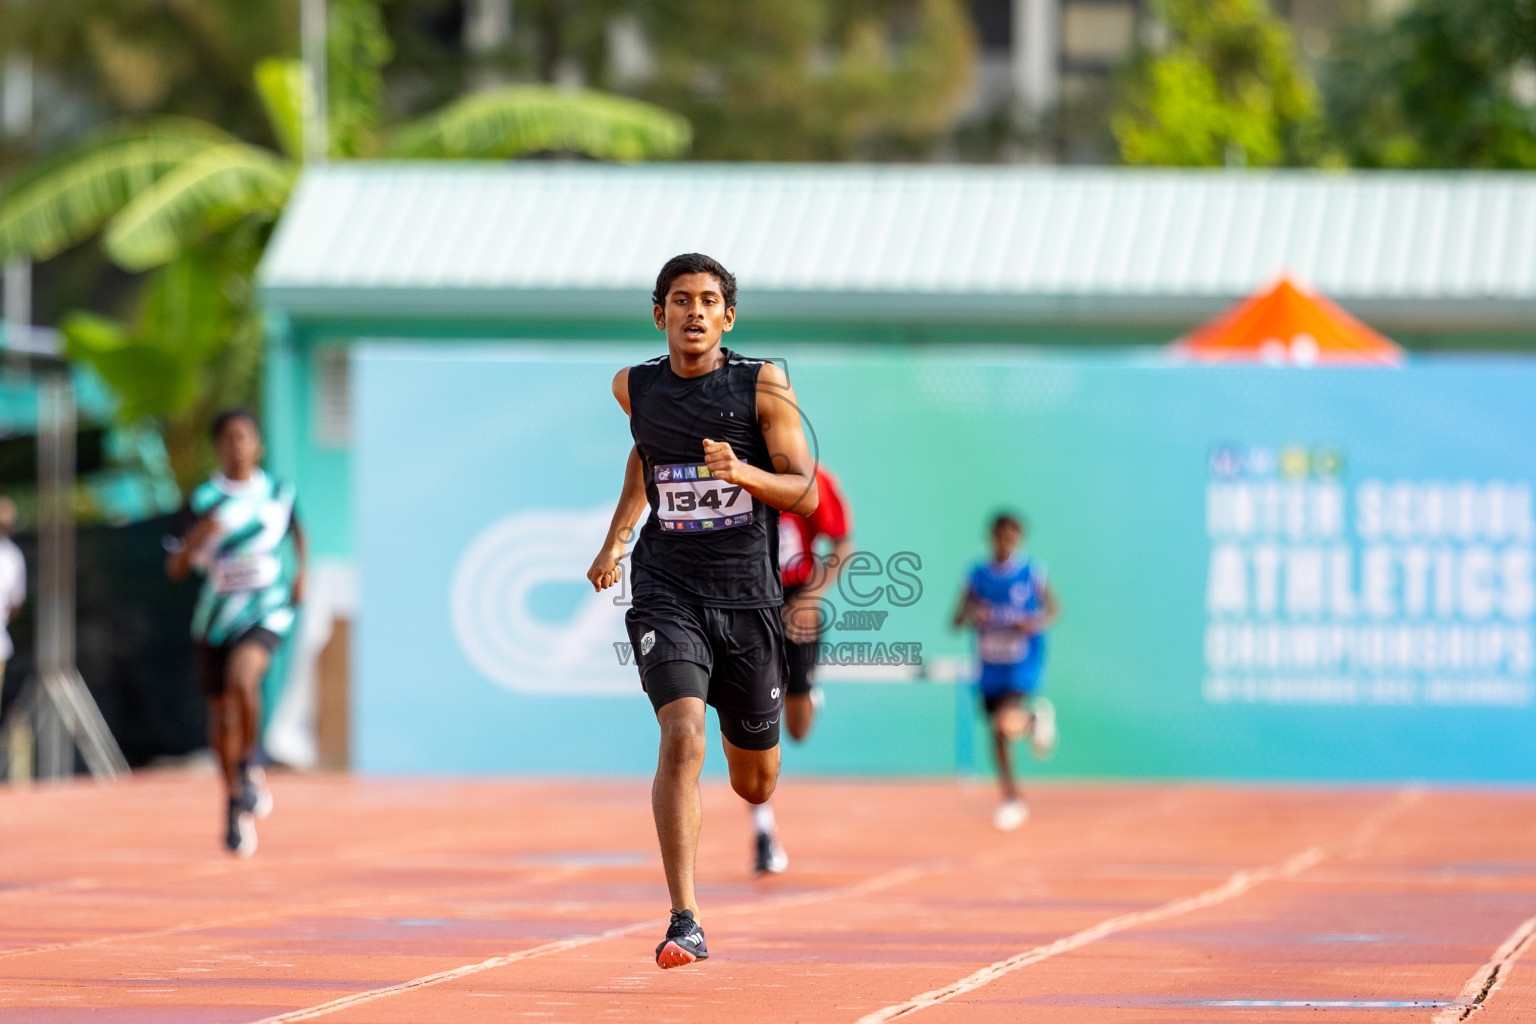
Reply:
x=771 y=858
x=1042 y=731
x=240 y=835
x=1009 y=815
x=258 y=798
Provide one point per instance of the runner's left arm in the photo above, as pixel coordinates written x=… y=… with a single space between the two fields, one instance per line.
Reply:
x=791 y=485
x=1048 y=614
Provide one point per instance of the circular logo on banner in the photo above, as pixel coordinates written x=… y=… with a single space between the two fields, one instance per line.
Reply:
x=494 y=617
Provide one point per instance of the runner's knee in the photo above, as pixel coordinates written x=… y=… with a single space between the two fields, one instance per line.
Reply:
x=755 y=781
x=682 y=741
x=677 y=689
x=754 y=773
x=248 y=663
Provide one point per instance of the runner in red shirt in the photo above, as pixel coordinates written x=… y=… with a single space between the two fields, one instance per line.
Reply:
x=807 y=575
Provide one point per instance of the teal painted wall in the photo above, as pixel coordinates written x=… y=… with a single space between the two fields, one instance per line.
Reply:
x=480 y=651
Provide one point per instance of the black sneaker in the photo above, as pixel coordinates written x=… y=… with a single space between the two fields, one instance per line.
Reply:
x=240 y=835
x=771 y=858
x=255 y=798
x=684 y=942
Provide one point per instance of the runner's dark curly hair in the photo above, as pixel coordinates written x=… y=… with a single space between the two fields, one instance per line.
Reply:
x=228 y=416
x=694 y=263
x=1009 y=519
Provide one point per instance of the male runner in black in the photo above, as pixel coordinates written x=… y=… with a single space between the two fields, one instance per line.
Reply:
x=718 y=453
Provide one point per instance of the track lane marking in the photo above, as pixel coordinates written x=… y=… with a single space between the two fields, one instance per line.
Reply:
x=1482 y=985
x=542 y=877
x=883 y=881
x=1234 y=886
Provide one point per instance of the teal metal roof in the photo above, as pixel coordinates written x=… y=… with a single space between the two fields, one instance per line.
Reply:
x=981 y=244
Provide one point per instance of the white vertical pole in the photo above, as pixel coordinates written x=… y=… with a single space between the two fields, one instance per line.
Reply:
x=1036 y=53
x=312 y=25
x=487 y=29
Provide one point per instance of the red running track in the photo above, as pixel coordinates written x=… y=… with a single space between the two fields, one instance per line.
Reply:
x=424 y=902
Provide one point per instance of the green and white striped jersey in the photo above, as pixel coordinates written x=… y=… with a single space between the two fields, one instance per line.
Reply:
x=244 y=581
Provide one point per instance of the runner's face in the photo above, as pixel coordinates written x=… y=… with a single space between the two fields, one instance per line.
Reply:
x=1005 y=541
x=695 y=315
x=239 y=448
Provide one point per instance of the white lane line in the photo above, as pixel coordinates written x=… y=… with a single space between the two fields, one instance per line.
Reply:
x=458 y=972
x=884 y=881
x=1490 y=976
x=1234 y=886
x=1363 y=834
x=275 y=914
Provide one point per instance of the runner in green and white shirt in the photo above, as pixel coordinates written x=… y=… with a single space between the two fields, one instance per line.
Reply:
x=246 y=608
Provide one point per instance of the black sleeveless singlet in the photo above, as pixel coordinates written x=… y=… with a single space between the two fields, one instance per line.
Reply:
x=705 y=541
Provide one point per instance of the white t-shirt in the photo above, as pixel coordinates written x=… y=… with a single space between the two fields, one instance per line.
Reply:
x=13 y=590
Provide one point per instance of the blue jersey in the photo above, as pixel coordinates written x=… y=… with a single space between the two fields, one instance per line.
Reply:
x=1007 y=594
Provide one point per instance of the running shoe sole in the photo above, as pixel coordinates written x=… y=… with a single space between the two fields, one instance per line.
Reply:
x=672 y=955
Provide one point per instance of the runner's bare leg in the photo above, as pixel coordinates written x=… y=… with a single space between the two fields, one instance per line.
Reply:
x=675 y=801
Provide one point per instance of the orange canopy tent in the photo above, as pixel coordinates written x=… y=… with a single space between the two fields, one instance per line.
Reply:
x=1287 y=326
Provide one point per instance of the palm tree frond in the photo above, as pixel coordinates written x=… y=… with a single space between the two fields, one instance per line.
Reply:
x=283 y=89
x=64 y=200
x=521 y=119
x=236 y=180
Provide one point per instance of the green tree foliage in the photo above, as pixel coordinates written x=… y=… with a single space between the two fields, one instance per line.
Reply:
x=1228 y=87
x=358 y=50
x=757 y=79
x=192 y=206
x=137 y=57
x=1447 y=83
x=191 y=347
x=519 y=119
x=811 y=79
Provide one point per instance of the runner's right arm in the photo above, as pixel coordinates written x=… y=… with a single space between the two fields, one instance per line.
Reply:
x=965 y=611
x=179 y=562
x=606 y=570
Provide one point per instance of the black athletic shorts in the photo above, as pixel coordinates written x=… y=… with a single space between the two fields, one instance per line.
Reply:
x=741 y=652
x=212 y=662
x=801 y=657
x=995 y=702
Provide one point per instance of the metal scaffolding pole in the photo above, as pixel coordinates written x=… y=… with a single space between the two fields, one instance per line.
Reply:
x=62 y=715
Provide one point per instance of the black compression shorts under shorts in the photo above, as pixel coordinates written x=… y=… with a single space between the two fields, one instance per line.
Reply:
x=738 y=654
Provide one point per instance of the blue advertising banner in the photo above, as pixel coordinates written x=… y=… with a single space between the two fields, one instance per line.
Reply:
x=1264 y=573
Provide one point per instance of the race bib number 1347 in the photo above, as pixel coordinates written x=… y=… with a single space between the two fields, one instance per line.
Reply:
x=688 y=498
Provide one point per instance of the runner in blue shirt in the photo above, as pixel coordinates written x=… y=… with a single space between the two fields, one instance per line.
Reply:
x=1010 y=604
